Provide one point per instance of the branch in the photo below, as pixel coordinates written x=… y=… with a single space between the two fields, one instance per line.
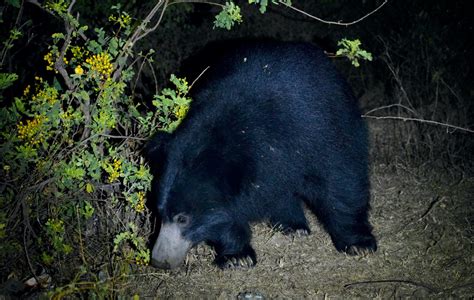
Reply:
x=59 y=63
x=85 y=107
x=420 y=121
x=139 y=33
x=333 y=22
x=154 y=75
x=146 y=32
x=390 y=106
x=197 y=78
x=197 y=2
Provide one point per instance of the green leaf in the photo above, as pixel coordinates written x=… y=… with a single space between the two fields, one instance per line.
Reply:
x=19 y=105
x=229 y=15
x=85 y=95
x=14 y=3
x=7 y=79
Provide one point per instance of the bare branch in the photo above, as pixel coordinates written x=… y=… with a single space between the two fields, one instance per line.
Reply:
x=390 y=106
x=196 y=2
x=153 y=74
x=333 y=22
x=85 y=107
x=69 y=9
x=199 y=76
x=420 y=121
x=139 y=33
x=146 y=32
x=125 y=137
x=59 y=63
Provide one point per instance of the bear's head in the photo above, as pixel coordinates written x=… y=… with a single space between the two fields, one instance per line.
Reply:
x=195 y=198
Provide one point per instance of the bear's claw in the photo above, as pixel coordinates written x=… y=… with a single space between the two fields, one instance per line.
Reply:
x=294 y=230
x=245 y=259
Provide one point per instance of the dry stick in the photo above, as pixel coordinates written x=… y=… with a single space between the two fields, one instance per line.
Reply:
x=85 y=107
x=397 y=79
x=81 y=244
x=146 y=32
x=433 y=203
x=154 y=76
x=138 y=74
x=197 y=2
x=28 y=256
x=333 y=22
x=390 y=106
x=59 y=64
x=199 y=76
x=417 y=284
x=123 y=137
x=137 y=35
x=419 y=120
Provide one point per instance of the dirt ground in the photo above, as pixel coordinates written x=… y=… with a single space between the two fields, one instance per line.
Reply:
x=423 y=220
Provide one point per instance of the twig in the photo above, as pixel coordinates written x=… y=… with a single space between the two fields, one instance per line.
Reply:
x=390 y=106
x=199 y=76
x=418 y=120
x=146 y=32
x=139 y=33
x=197 y=2
x=388 y=61
x=435 y=201
x=81 y=245
x=123 y=137
x=333 y=22
x=140 y=69
x=59 y=63
x=28 y=260
x=417 y=284
x=85 y=107
x=69 y=9
x=154 y=76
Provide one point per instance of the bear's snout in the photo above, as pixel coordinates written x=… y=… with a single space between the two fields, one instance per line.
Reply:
x=170 y=248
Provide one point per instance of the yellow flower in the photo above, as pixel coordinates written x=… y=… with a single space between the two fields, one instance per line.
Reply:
x=32 y=132
x=78 y=70
x=140 y=207
x=26 y=92
x=49 y=94
x=123 y=19
x=181 y=111
x=101 y=63
x=115 y=172
x=49 y=59
x=89 y=188
x=78 y=52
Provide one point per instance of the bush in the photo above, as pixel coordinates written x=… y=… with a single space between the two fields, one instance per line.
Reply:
x=71 y=164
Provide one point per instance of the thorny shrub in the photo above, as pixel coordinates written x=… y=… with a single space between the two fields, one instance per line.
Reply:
x=71 y=169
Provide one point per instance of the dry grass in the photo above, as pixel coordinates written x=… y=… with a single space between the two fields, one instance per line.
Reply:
x=423 y=222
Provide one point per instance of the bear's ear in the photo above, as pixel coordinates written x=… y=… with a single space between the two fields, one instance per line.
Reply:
x=155 y=150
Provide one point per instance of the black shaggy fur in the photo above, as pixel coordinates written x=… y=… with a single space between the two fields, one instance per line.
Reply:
x=272 y=126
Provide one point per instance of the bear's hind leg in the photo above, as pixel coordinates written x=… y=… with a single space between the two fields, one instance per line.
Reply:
x=343 y=211
x=346 y=220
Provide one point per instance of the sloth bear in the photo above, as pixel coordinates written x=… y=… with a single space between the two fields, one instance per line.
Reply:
x=272 y=125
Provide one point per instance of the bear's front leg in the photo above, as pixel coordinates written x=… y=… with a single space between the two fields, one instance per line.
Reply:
x=233 y=249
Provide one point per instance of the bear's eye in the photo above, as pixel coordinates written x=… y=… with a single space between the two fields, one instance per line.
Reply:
x=181 y=219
